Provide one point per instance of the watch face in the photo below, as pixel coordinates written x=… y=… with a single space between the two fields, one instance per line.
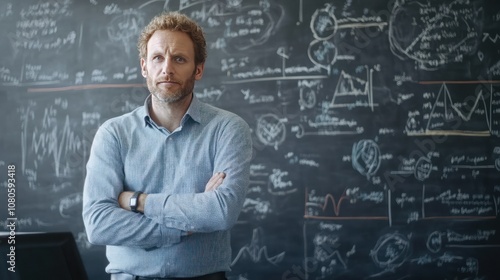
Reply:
x=133 y=201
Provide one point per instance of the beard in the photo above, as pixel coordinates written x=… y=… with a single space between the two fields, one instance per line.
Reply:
x=168 y=96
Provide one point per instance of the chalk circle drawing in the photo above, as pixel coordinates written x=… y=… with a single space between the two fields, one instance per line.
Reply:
x=391 y=251
x=424 y=31
x=271 y=131
x=423 y=168
x=322 y=53
x=366 y=157
x=434 y=242
x=307 y=99
x=323 y=23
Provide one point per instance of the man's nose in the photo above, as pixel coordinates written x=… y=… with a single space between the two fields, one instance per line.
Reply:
x=167 y=66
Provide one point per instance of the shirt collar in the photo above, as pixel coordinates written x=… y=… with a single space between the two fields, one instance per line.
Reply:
x=148 y=121
x=192 y=112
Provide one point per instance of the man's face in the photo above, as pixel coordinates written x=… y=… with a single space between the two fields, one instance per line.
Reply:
x=169 y=67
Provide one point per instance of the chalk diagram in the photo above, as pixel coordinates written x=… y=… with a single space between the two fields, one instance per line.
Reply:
x=256 y=251
x=424 y=31
x=326 y=254
x=324 y=25
x=278 y=183
x=420 y=168
x=423 y=168
x=353 y=92
x=445 y=116
x=440 y=244
x=391 y=251
x=271 y=130
x=123 y=29
x=325 y=124
x=442 y=240
x=457 y=204
x=307 y=93
x=350 y=92
x=329 y=206
x=257 y=208
x=366 y=157
x=45 y=141
x=314 y=201
x=250 y=26
x=434 y=242
x=458 y=164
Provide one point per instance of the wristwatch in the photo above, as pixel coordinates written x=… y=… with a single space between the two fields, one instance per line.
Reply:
x=134 y=201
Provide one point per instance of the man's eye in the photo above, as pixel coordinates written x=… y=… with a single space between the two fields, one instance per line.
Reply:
x=180 y=59
x=157 y=58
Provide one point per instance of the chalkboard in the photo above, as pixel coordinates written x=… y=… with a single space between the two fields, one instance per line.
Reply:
x=376 y=126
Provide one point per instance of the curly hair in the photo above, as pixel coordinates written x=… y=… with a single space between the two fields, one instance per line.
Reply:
x=174 y=21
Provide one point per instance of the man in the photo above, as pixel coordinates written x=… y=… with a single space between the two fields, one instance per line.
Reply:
x=166 y=182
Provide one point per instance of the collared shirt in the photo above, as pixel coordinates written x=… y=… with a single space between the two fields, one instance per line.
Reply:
x=133 y=153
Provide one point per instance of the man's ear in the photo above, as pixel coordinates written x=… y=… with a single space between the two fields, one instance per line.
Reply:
x=144 y=72
x=199 y=71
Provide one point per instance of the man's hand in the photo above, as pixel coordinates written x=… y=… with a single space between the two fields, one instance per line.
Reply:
x=124 y=199
x=215 y=181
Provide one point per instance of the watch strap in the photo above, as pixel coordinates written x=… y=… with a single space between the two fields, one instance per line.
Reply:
x=134 y=201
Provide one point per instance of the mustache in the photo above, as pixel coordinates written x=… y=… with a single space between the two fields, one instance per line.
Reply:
x=168 y=80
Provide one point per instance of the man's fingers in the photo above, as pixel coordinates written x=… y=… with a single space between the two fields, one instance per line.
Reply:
x=214 y=178
x=215 y=181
